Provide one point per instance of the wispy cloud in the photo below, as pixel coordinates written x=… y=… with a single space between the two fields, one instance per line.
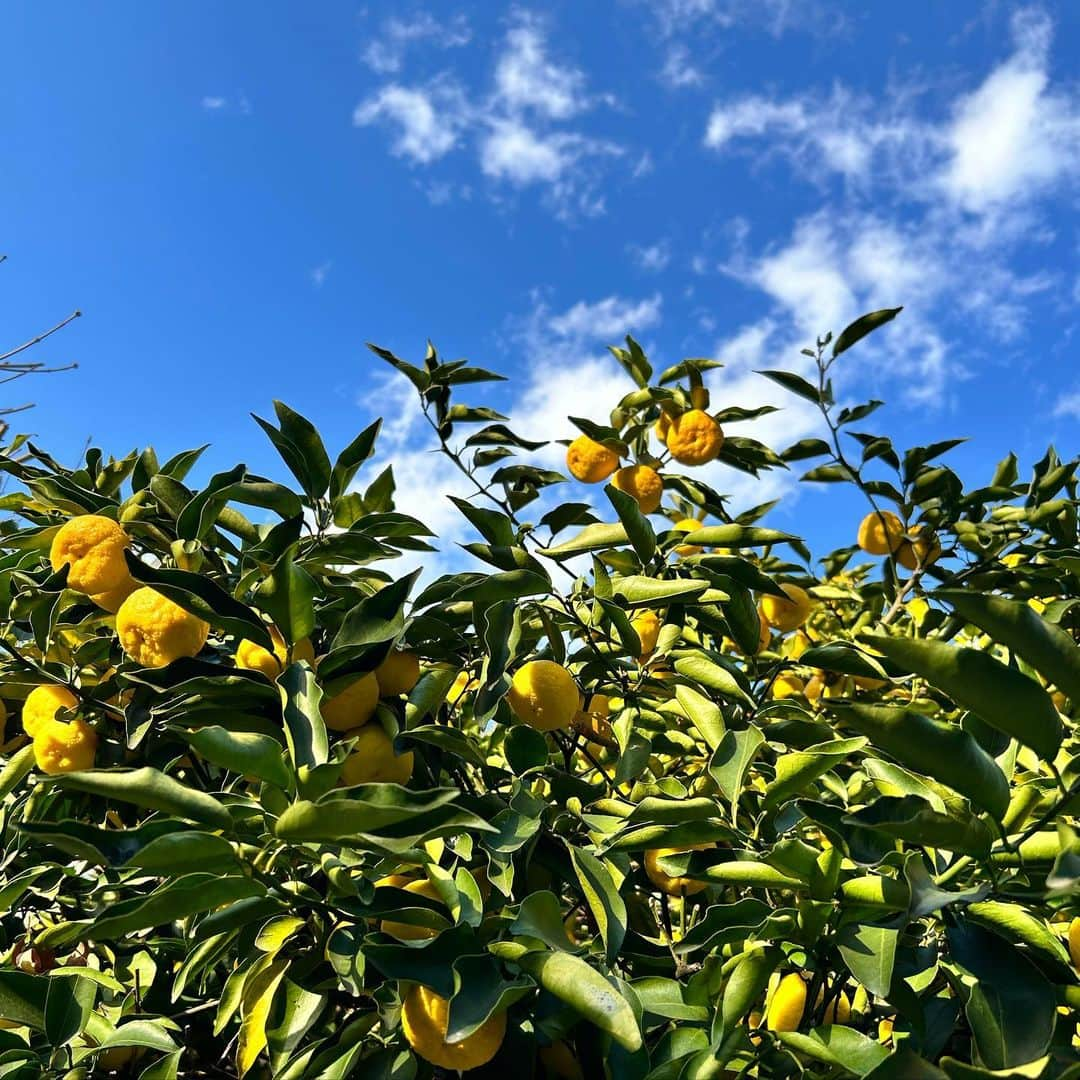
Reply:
x=385 y=52
x=652 y=258
x=518 y=128
x=319 y=274
x=226 y=103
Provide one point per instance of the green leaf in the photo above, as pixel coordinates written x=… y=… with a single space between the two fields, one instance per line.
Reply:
x=704 y=714
x=480 y=992
x=602 y=895
x=525 y=749
x=1046 y=647
x=733 y=756
x=243 y=752
x=287 y=595
x=294 y=1012
x=640 y=591
x=18 y=767
x=186 y=852
x=150 y=789
x=795 y=383
x=862 y=326
x=910 y=818
x=351 y=458
x=1008 y=1003
x=736 y=536
x=203 y=598
x=176 y=899
x=870 y=954
x=22 y=997
x=1002 y=696
x=839 y=1046
x=305 y=731
x=796 y=772
x=637 y=526
x=843 y=657
x=377 y=618
x=315 y=463
x=934 y=748
x=747 y=984
x=1015 y=923
x=584 y=989
x=591 y=538
x=259 y=989
x=68 y=1004
x=699 y=669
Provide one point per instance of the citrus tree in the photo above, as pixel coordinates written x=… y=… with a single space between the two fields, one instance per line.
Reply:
x=642 y=792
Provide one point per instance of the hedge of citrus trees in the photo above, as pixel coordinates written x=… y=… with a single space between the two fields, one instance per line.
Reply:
x=643 y=791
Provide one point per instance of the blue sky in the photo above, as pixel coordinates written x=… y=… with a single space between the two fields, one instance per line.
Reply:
x=239 y=195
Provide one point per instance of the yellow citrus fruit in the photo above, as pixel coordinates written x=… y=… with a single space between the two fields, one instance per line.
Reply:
x=753 y=1022
x=673 y=886
x=1074 y=942
x=839 y=1010
x=885 y=1029
x=423 y=1019
x=880 y=532
x=694 y=438
x=398 y=881
x=354 y=706
x=787 y=685
x=590 y=461
x=687 y=525
x=253 y=657
x=398 y=673
x=461 y=686
x=43 y=703
x=787 y=1004
x=64 y=748
x=373 y=760
x=786 y=614
x=867 y=682
x=111 y=599
x=543 y=695
x=93 y=547
x=647 y=625
x=154 y=631
x=644 y=483
x=922 y=550
x=407 y=931
x=593 y=722
x=559 y=1061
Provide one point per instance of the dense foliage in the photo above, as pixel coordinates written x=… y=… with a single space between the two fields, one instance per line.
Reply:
x=662 y=797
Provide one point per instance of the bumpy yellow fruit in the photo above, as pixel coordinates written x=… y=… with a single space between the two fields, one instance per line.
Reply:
x=462 y=684
x=253 y=657
x=880 y=532
x=787 y=685
x=673 y=886
x=543 y=695
x=687 y=525
x=154 y=631
x=42 y=705
x=643 y=483
x=787 y=1004
x=398 y=673
x=110 y=601
x=354 y=706
x=839 y=1010
x=922 y=550
x=647 y=626
x=408 y=931
x=373 y=760
x=1074 y=942
x=590 y=461
x=93 y=547
x=423 y=1019
x=694 y=438
x=64 y=748
x=787 y=614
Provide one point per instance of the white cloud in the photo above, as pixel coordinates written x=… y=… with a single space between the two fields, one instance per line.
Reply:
x=1013 y=137
x=386 y=52
x=526 y=78
x=604 y=320
x=319 y=274
x=222 y=103
x=653 y=257
x=679 y=69
x=428 y=120
x=518 y=128
x=1068 y=405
